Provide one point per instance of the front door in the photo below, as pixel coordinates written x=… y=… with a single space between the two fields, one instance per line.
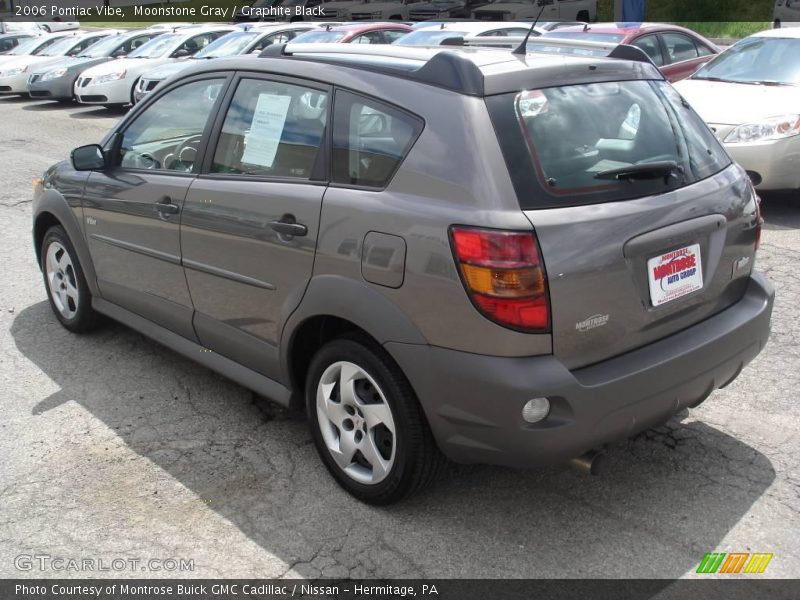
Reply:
x=250 y=220
x=132 y=210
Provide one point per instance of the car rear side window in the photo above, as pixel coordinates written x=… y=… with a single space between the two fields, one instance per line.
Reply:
x=370 y=140
x=272 y=129
x=585 y=144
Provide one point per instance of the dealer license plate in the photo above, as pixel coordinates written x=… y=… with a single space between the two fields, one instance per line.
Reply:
x=675 y=274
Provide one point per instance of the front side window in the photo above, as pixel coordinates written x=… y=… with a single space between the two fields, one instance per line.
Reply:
x=271 y=129
x=583 y=144
x=167 y=135
x=371 y=37
x=370 y=140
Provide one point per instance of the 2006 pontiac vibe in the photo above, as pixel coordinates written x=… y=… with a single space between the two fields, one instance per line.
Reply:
x=472 y=254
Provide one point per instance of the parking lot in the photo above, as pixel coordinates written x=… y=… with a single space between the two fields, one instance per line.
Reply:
x=114 y=447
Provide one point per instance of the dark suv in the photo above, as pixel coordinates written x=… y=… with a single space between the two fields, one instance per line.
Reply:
x=438 y=252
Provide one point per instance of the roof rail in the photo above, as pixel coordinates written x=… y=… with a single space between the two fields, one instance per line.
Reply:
x=449 y=70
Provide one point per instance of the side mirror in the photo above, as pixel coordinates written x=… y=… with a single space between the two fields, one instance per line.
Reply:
x=182 y=53
x=119 y=53
x=88 y=158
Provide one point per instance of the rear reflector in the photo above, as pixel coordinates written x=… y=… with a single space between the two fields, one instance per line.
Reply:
x=504 y=276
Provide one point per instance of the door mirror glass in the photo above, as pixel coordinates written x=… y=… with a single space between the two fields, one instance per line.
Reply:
x=118 y=53
x=182 y=53
x=88 y=158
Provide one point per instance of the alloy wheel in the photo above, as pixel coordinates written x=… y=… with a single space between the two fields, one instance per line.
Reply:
x=356 y=423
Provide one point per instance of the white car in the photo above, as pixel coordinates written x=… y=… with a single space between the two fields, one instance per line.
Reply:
x=12 y=26
x=114 y=83
x=251 y=41
x=520 y=10
x=14 y=73
x=52 y=26
x=750 y=97
x=32 y=47
x=434 y=35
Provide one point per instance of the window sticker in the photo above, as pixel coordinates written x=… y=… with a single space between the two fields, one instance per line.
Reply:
x=266 y=129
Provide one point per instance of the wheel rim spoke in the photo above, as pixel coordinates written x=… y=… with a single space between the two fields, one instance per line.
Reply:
x=346 y=451
x=369 y=450
x=378 y=414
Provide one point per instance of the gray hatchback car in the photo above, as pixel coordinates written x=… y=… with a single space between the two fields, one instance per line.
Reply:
x=438 y=252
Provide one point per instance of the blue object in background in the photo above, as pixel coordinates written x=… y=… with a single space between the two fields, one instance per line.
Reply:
x=633 y=11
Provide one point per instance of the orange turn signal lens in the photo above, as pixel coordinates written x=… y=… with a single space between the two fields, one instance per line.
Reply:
x=505 y=283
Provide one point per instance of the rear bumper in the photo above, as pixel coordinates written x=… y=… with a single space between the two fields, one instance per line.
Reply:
x=474 y=402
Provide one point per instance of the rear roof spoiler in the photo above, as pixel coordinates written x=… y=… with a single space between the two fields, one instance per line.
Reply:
x=541 y=44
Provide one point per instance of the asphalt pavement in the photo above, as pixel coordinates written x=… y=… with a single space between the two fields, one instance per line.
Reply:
x=112 y=447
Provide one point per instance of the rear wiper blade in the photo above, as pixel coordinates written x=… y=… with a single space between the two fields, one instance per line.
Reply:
x=665 y=169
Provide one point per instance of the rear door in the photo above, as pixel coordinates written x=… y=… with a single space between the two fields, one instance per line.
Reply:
x=132 y=210
x=634 y=250
x=250 y=220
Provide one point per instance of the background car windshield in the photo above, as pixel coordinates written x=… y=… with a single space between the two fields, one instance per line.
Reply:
x=61 y=47
x=228 y=45
x=157 y=47
x=26 y=47
x=757 y=59
x=428 y=37
x=575 y=136
x=614 y=38
x=318 y=37
x=104 y=47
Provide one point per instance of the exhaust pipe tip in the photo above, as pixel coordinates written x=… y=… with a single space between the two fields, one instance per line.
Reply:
x=590 y=463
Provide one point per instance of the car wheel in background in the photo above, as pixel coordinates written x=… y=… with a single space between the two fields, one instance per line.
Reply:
x=367 y=423
x=65 y=283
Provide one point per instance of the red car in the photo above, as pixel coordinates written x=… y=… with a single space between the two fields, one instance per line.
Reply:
x=677 y=51
x=354 y=33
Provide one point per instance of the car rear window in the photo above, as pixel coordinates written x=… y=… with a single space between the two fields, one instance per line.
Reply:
x=602 y=142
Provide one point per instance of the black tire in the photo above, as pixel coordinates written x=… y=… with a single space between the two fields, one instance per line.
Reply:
x=417 y=459
x=133 y=92
x=85 y=318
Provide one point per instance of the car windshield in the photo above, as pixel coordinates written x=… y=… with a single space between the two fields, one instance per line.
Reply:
x=61 y=47
x=157 y=47
x=583 y=144
x=756 y=60
x=105 y=47
x=586 y=36
x=229 y=45
x=318 y=37
x=26 y=47
x=428 y=37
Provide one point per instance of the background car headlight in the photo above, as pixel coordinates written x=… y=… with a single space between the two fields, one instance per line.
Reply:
x=54 y=74
x=12 y=72
x=117 y=75
x=775 y=128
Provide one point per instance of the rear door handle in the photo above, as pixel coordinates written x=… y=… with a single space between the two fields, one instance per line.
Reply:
x=165 y=206
x=288 y=226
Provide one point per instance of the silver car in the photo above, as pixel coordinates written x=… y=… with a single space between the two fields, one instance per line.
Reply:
x=750 y=96
x=438 y=253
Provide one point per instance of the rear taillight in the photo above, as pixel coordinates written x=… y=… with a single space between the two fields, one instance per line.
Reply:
x=504 y=275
